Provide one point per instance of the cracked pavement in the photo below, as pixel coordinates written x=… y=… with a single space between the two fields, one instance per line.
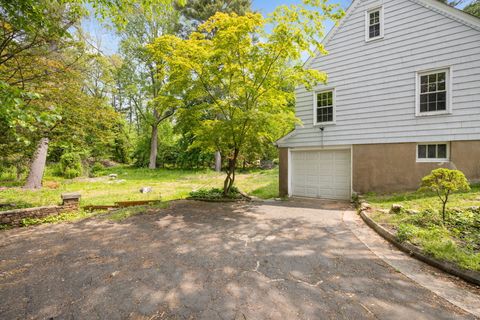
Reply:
x=199 y=260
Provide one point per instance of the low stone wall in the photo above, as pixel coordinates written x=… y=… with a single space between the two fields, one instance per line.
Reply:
x=14 y=217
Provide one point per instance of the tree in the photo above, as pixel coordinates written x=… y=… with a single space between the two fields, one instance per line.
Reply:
x=473 y=8
x=196 y=12
x=444 y=182
x=149 y=78
x=244 y=71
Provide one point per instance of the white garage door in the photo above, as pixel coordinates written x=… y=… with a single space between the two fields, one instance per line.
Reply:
x=322 y=174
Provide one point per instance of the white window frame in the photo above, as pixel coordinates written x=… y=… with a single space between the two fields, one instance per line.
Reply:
x=367 y=23
x=448 y=90
x=447 y=159
x=334 y=102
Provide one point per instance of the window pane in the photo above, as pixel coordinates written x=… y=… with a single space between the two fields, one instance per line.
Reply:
x=442 y=151
x=423 y=107
x=441 y=96
x=432 y=87
x=432 y=151
x=441 y=85
x=424 y=88
x=441 y=76
x=432 y=78
x=423 y=79
x=422 y=151
x=441 y=105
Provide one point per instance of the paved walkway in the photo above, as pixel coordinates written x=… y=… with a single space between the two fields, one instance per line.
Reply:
x=195 y=260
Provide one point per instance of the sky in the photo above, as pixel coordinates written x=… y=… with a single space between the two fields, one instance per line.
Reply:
x=108 y=41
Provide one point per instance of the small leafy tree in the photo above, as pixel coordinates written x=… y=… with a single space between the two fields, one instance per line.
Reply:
x=444 y=182
x=245 y=70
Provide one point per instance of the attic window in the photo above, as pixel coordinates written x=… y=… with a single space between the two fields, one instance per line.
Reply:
x=374 y=24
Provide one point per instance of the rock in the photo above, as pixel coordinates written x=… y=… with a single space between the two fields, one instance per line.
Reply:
x=411 y=211
x=396 y=208
x=365 y=206
x=266 y=164
x=113 y=176
x=145 y=189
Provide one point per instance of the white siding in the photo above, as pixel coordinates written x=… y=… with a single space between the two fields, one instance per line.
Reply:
x=375 y=81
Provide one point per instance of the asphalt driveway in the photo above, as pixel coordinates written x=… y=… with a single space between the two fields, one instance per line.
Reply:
x=197 y=260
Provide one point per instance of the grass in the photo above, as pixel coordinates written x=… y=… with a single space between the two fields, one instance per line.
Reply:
x=167 y=184
x=457 y=240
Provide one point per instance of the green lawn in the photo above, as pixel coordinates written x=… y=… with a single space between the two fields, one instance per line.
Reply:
x=457 y=240
x=167 y=184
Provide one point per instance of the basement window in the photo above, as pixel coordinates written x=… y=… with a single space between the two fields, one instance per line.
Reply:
x=432 y=152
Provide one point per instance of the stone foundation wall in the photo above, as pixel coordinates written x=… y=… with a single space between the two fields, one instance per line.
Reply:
x=14 y=218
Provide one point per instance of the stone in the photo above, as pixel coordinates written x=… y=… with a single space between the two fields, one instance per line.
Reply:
x=411 y=211
x=145 y=189
x=71 y=195
x=113 y=176
x=365 y=206
x=396 y=208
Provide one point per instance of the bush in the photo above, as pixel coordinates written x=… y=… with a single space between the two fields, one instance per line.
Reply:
x=96 y=168
x=71 y=173
x=71 y=165
x=215 y=194
x=444 y=182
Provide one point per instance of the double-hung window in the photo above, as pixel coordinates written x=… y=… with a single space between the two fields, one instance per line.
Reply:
x=324 y=108
x=432 y=152
x=433 y=92
x=374 y=24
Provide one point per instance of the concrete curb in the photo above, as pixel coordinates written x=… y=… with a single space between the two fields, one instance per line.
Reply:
x=470 y=276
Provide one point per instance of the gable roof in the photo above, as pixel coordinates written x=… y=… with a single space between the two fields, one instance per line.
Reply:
x=435 y=5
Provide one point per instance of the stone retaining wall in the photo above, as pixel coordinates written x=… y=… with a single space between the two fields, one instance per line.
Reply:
x=14 y=218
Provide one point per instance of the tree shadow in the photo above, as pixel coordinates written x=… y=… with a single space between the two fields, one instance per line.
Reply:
x=197 y=260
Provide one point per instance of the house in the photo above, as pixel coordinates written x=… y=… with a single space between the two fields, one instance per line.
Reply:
x=402 y=98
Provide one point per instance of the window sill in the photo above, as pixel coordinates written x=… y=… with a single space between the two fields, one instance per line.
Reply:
x=432 y=160
x=323 y=124
x=374 y=39
x=432 y=113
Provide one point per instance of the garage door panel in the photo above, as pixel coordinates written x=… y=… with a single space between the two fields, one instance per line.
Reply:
x=322 y=173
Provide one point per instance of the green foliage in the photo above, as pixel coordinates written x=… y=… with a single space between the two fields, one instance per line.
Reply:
x=66 y=216
x=437 y=241
x=456 y=240
x=215 y=194
x=443 y=182
x=473 y=8
x=96 y=168
x=246 y=73
x=71 y=165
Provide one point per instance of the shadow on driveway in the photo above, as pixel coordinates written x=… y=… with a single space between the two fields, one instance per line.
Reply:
x=197 y=260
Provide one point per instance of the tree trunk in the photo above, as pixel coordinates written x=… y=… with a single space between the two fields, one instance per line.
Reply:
x=230 y=179
x=218 y=161
x=37 y=166
x=153 y=147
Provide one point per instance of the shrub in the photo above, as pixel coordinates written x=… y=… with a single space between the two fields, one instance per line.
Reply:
x=96 y=168
x=215 y=194
x=71 y=165
x=444 y=182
